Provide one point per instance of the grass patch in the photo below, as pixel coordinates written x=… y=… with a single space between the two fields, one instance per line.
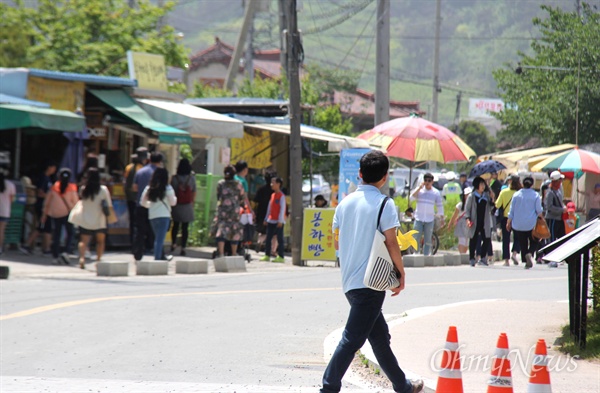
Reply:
x=592 y=349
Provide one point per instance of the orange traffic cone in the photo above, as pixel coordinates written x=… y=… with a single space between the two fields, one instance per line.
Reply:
x=501 y=379
x=450 y=379
x=539 y=379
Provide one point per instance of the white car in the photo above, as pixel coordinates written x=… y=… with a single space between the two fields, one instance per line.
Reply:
x=319 y=186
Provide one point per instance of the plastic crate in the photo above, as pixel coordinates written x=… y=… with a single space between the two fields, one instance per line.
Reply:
x=14 y=229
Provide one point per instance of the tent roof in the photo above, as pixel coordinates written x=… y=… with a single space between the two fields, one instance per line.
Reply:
x=26 y=116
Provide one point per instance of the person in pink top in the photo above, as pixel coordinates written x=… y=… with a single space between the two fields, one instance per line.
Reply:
x=58 y=203
x=7 y=196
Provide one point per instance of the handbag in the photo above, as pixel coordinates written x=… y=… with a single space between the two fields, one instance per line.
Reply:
x=76 y=214
x=381 y=274
x=109 y=212
x=540 y=230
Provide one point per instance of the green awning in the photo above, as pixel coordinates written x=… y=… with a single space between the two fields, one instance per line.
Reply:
x=25 y=116
x=124 y=104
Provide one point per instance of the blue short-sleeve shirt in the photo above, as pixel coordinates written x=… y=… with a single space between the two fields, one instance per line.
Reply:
x=356 y=218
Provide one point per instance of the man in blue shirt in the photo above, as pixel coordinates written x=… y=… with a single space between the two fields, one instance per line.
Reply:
x=143 y=236
x=355 y=222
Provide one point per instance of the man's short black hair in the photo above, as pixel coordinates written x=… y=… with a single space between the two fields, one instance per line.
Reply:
x=428 y=176
x=155 y=158
x=278 y=180
x=240 y=166
x=374 y=166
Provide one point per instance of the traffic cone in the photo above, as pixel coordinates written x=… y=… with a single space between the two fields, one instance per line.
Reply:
x=539 y=379
x=450 y=379
x=501 y=378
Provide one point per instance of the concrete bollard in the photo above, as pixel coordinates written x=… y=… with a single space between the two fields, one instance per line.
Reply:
x=152 y=268
x=497 y=255
x=434 y=260
x=464 y=259
x=194 y=266
x=112 y=268
x=413 y=260
x=452 y=259
x=230 y=264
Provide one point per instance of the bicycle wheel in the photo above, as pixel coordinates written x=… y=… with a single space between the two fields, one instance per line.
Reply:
x=435 y=243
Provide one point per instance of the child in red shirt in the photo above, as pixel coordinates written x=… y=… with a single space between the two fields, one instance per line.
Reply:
x=275 y=220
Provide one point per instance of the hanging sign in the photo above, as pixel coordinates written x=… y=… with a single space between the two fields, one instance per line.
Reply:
x=317 y=235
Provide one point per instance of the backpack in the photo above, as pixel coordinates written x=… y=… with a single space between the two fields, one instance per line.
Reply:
x=184 y=192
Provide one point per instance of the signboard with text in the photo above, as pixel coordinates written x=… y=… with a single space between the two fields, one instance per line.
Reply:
x=254 y=148
x=317 y=236
x=482 y=107
x=65 y=95
x=349 y=166
x=148 y=69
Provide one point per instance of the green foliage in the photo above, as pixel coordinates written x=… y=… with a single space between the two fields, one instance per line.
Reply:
x=592 y=349
x=185 y=151
x=265 y=88
x=330 y=118
x=595 y=273
x=206 y=91
x=476 y=136
x=177 y=88
x=88 y=36
x=542 y=101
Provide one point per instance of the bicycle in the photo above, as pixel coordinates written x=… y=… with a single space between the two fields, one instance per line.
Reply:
x=407 y=224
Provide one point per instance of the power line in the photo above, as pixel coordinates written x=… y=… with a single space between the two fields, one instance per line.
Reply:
x=339 y=20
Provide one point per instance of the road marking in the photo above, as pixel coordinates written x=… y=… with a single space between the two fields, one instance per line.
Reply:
x=57 y=306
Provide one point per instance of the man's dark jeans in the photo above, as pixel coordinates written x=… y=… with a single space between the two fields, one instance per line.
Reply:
x=365 y=321
x=143 y=233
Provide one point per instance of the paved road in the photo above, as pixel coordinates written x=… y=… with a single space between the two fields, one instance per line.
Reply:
x=261 y=331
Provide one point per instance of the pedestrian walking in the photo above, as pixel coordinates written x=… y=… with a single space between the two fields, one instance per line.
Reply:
x=503 y=205
x=91 y=218
x=354 y=221
x=554 y=207
x=158 y=197
x=8 y=192
x=452 y=191
x=61 y=198
x=592 y=201
x=261 y=199
x=184 y=184
x=42 y=186
x=428 y=199
x=144 y=237
x=275 y=220
x=459 y=221
x=138 y=160
x=479 y=220
x=226 y=224
x=525 y=208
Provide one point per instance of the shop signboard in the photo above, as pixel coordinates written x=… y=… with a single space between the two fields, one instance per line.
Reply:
x=482 y=107
x=148 y=69
x=254 y=148
x=317 y=236
x=349 y=166
x=59 y=94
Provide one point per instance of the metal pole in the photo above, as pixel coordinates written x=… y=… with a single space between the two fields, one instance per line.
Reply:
x=239 y=46
x=577 y=103
x=436 y=61
x=382 y=74
x=283 y=21
x=294 y=49
x=17 y=167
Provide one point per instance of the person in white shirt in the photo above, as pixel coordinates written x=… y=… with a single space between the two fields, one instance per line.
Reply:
x=7 y=196
x=428 y=198
x=158 y=197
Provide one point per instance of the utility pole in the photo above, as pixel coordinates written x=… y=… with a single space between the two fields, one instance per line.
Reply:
x=248 y=60
x=457 y=113
x=436 y=62
x=294 y=55
x=283 y=22
x=239 y=46
x=132 y=3
x=161 y=21
x=382 y=78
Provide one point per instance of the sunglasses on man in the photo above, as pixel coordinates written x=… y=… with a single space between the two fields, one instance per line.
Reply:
x=428 y=180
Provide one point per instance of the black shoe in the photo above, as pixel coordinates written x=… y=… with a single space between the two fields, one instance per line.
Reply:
x=182 y=253
x=417 y=385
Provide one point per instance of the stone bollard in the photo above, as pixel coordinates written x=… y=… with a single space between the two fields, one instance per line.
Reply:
x=152 y=268
x=112 y=268
x=413 y=260
x=434 y=260
x=193 y=266
x=230 y=264
x=452 y=259
x=497 y=255
x=464 y=259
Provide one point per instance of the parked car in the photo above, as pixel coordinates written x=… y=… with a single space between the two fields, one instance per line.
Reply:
x=319 y=186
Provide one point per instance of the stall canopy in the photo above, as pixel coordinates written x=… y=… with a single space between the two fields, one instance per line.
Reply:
x=8 y=99
x=25 y=116
x=201 y=123
x=336 y=142
x=124 y=104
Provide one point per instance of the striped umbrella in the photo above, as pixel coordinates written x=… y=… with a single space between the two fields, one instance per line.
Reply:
x=575 y=160
x=415 y=139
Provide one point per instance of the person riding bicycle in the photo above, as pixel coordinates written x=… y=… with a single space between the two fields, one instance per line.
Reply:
x=428 y=198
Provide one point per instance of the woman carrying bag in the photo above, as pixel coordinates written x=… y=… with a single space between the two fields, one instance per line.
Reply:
x=158 y=197
x=59 y=202
x=90 y=215
x=503 y=205
x=479 y=219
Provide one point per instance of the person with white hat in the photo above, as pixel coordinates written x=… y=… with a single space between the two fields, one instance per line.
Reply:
x=452 y=190
x=554 y=206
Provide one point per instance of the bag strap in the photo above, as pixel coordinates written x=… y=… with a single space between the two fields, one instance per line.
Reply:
x=381 y=211
x=65 y=202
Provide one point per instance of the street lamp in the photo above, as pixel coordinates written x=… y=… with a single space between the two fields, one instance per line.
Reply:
x=519 y=71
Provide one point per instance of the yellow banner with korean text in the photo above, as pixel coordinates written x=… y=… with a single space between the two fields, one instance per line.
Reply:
x=317 y=236
x=254 y=148
x=148 y=69
x=59 y=94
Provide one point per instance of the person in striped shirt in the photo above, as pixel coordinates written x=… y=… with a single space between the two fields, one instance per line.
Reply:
x=428 y=199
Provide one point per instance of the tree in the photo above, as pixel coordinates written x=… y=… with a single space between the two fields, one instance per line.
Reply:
x=86 y=36
x=476 y=136
x=541 y=97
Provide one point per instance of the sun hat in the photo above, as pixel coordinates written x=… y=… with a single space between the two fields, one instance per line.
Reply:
x=467 y=190
x=556 y=175
x=570 y=207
